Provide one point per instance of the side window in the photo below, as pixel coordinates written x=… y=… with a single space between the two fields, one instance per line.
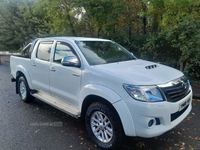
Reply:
x=44 y=50
x=63 y=50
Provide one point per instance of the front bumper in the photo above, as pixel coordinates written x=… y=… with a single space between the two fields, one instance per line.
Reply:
x=166 y=114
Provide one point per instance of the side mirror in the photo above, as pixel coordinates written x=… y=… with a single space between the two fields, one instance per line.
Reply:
x=70 y=61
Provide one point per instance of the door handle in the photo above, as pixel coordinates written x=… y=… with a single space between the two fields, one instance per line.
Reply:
x=77 y=75
x=33 y=64
x=52 y=69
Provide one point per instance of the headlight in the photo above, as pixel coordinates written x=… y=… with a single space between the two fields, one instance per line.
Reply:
x=144 y=93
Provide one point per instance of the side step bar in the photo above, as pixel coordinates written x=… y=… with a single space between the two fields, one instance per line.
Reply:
x=57 y=104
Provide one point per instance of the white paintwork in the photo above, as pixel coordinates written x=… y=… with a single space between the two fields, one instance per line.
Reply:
x=40 y=74
x=135 y=71
x=22 y=65
x=142 y=112
x=67 y=87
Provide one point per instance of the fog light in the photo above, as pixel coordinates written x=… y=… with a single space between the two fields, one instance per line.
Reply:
x=151 y=123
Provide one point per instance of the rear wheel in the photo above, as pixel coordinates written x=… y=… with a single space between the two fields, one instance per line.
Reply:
x=24 y=90
x=103 y=126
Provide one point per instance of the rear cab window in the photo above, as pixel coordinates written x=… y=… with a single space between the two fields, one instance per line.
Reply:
x=44 y=50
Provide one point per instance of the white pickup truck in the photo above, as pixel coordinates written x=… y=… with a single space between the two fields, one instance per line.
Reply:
x=100 y=81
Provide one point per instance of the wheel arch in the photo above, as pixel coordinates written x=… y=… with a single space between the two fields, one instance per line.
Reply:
x=95 y=98
x=23 y=72
x=18 y=75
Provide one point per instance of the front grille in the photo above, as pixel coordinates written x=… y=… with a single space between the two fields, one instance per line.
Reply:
x=176 y=90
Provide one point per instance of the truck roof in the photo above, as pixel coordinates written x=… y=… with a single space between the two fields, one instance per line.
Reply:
x=74 y=38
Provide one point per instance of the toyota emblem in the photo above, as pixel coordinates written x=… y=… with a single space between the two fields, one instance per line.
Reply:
x=184 y=85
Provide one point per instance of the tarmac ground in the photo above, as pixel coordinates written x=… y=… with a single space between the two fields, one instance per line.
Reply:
x=27 y=126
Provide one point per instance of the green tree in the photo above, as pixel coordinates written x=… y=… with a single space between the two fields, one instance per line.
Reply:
x=63 y=15
x=12 y=25
x=178 y=38
x=18 y=24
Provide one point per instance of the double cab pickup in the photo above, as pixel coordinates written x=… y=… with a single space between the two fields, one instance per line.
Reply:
x=101 y=82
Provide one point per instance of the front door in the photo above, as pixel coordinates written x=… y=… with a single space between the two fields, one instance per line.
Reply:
x=65 y=80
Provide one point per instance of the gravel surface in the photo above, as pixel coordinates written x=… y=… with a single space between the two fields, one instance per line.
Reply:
x=38 y=126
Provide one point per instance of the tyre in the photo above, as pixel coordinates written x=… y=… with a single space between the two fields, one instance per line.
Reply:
x=103 y=126
x=24 y=90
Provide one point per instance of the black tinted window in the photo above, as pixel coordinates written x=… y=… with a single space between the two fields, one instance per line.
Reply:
x=63 y=50
x=26 y=50
x=44 y=50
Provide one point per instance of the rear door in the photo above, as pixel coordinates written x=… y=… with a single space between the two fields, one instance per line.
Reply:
x=65 y=80
x=40 y=66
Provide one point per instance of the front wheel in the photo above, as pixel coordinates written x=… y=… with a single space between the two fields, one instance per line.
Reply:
x=103 y=126
x=24 y=90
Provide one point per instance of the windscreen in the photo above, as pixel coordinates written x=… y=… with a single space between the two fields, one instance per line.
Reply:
x=102 y=52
